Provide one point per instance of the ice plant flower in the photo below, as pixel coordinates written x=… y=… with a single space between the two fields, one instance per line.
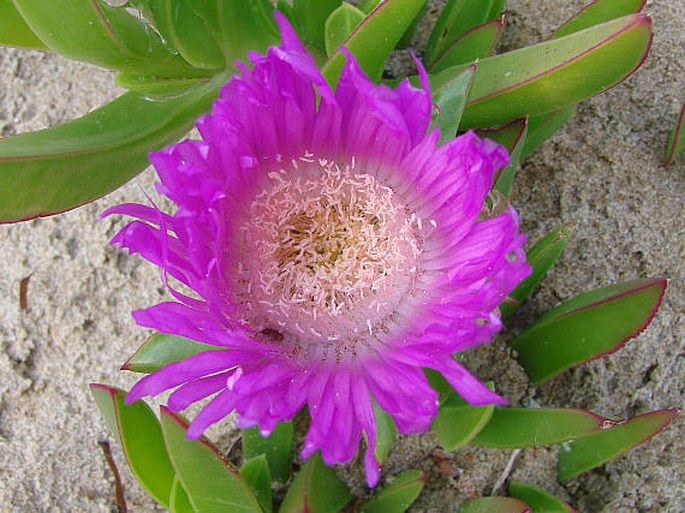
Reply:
x=330 y=249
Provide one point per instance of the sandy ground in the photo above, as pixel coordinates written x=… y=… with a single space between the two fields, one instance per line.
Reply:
x=602 y=174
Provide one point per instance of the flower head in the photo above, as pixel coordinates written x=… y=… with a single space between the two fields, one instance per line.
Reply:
x=334 y=251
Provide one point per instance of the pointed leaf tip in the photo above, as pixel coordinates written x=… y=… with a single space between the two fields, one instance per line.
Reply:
x=588 y=326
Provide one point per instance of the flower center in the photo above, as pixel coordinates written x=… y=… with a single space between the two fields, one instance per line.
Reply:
x=332 y=254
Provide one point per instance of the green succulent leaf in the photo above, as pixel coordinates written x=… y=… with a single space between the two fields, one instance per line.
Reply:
x=676 y=139
x=450 y=99
x=541 y=128
x=138 y=432
x=160 y=350
x=13 y=28
x=178 y=500
x=257 y=474
x=457 y=422
x=455 y=20
x=310 y=17
x=517 y=428
x=277 y=448
x=540 y=257
x=475 y=44
x=316 y=489
x=211 y=483
x=368 y=5
x=513 y=137
x=539 y=500
x=93 y=31
x=374 y=38
x=548 y=76
x=588 y=326
x=399 y=495
x=598 y=12
x=386 y=432
x=617 y=438
x=340 y=25
x=57 y=169
x=494 y=505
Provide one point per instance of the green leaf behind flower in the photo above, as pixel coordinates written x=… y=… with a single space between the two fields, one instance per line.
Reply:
x=588 y=326
x=316 y=489
x=138 y=432
x=540 y=257
x=277 y=448
x=374 y=38
x=340 y=25
x=548 y=76
x=449 y=99
x=475 y=44
x=399 y=495
x=256 y=472
x=598 y=12
x=160 y=350
x=541 y=128
x=212 y=484
x=56 y=169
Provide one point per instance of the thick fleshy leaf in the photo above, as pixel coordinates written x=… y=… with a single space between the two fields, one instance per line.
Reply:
x=160 y=350
x=138 y=432
x=340 y=25
x=386 y=432
x=539 y=500
x=458 y=422
x=57 y=169
x=212 y=484
x=257 y=474
x=588 y=326
x=178 y=500
x=541 y=128
x=156 y=88
x=368 y=5
x=475 y=44
x=374 y=38
x=310 y=20
x=277 y=448
x=512 y=428
x=397 y=496
x=586 y=453
x=548 y=76
x=598 y=12
x=676 y=139
x=449 y=100
x=315 y=489
x=93 y=31
x=13 y=29
x=494 y=505
x=540 y=257
x=455 y=20
x=513 y=137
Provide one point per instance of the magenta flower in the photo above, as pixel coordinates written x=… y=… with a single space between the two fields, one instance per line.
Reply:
x=332 y=249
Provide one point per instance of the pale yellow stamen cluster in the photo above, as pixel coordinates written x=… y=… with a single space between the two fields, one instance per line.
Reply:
x=332 y=253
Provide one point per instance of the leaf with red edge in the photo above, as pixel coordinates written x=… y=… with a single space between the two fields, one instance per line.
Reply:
x=211 y=483
x=399 y=495
x=518 y=428
x=548 y=76
x=449 y=100
x=161 y=349
x=586 y=453
x=138 y=432
x=374 y=38
x=513 y=137
x=178 y=501
x=598 y=12
x=588 y=326
x=475 y=44
x=494 y=505
x=539 y=500
x=540 y=257
x=316 y=489
x=676 y=139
